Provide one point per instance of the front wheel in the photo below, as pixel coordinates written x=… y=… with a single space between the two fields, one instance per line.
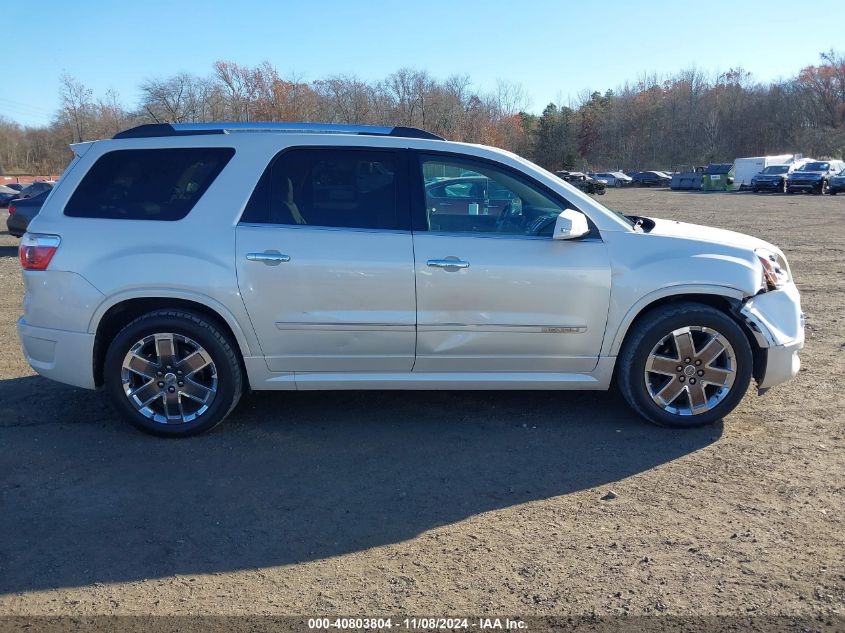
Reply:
x=173 y=373
x=824 y=188
x=684 y=365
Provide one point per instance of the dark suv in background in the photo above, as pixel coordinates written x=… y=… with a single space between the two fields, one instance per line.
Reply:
x=772 y=178
x=814 y=177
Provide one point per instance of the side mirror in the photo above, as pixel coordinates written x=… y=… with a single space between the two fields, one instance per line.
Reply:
x=570 y=225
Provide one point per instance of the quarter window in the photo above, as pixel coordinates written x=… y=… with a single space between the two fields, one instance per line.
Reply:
x=464 y=196
x=147 y=184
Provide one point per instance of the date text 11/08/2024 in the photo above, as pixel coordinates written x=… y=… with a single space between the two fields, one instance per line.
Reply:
x=411 y=624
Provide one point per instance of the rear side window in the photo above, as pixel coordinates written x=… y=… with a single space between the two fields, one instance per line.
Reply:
x=345 y=188
x=147 y=184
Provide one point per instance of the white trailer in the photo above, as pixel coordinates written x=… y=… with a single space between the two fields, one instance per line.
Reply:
x=746 y=168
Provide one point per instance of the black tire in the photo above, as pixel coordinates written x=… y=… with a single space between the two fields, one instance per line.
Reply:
x=789 y=191
x=198 y=328
x=649 y=330
x=755 y=190
x=824 y=188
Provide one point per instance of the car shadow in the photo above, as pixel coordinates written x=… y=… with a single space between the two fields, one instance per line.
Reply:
x=290 y=477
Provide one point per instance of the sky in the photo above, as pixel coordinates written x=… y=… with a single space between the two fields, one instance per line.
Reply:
x=555 y=50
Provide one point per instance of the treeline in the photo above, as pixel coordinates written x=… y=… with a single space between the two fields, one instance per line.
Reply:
x=688 y=119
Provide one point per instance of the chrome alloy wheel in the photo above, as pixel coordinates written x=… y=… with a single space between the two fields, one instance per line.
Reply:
x=690 y=370
x=169 y=378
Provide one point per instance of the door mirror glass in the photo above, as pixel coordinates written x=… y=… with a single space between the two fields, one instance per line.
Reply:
x=571 y=225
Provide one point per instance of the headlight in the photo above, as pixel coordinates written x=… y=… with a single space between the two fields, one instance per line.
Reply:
x=775 y=269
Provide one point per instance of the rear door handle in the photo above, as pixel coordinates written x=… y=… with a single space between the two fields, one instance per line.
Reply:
x=448 y=263
x=271 y=258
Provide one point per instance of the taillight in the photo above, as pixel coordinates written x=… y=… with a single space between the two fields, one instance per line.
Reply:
x=12 y=209
x=37 y=249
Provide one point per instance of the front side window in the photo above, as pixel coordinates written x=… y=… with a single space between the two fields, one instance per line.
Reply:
x=465 y=196
x=345 y=188
x=147 y=184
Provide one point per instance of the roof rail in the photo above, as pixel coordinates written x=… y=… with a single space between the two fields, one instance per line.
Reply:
x=187 y=129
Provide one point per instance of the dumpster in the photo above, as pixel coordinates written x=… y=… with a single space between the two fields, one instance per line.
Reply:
x=687 y=179
x=718 y=177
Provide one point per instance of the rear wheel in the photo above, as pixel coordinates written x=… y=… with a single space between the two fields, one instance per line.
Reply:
x=685 y=365
x=173 y=373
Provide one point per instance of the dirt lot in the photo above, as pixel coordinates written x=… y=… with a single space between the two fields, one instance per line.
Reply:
x=443 y=503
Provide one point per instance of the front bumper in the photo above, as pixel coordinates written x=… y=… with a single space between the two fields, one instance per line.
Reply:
x=777 y=322
x=774 y=185
x=58 y=354
x=804 y=185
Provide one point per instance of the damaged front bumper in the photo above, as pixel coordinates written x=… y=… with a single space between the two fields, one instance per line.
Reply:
x=777 y=322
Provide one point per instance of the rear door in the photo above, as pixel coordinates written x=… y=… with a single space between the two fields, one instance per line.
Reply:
x=325 y=262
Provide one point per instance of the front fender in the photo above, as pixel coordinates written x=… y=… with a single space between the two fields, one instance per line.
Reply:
x=649 y=268
x=613 y=343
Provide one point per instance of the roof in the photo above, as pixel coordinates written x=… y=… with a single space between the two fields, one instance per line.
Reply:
x=226 y=127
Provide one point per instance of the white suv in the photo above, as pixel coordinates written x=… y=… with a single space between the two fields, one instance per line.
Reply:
x=178 y=265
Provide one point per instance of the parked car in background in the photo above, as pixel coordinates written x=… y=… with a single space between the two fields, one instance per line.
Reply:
x=21 y=212
x=813 y=177
x=7 y=194
x=650 y=179
x=296 y=256
x=837 y=183
x=612 y=178
x=582 y=181
x=772 y=178
x=33 y=189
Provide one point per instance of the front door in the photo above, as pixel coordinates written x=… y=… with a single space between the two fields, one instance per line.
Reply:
x=496 y=292
x=325 y=262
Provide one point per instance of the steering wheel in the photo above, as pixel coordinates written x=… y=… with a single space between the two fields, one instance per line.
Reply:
x=505 y=217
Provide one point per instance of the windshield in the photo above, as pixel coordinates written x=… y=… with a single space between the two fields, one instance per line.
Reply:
x=776 y=169
x=814 y=167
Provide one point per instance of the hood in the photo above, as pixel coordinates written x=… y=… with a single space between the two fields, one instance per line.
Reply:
x=670 y=228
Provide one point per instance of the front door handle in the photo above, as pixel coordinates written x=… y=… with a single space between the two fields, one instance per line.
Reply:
x=449 y=263
x=271 y=258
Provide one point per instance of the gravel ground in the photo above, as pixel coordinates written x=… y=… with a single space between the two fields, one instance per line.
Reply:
x=443 y=503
